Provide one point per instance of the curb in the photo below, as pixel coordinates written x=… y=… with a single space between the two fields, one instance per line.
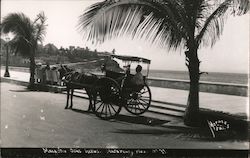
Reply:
x=22 y=83
x=49 y=88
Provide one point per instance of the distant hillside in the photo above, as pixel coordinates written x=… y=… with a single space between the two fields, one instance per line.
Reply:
x=50 y=54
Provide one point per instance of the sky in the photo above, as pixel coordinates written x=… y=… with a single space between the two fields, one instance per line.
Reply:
x=229 y=54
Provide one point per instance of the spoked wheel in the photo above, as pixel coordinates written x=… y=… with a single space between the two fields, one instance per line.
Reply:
x=107 y=98
x=139 y=101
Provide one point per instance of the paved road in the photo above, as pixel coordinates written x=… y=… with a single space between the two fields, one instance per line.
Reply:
x=38 y=119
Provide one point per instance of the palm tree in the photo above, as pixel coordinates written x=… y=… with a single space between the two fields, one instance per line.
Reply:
x=27 y=34
x=172 y=24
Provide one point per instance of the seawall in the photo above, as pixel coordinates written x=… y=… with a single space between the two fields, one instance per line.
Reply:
x=211 y=87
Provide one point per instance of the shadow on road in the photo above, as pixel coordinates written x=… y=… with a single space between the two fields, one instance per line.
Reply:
x=82 y=111
x=198 y=134
x=202 y=133
x=36 y=88
x=140 y=120
x=25 y=89
x=21 y=90
x=147 y=131
x=178 y=132
x=130 y=119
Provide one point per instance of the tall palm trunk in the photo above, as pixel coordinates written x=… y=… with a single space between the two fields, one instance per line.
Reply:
x=191 y=116
x=32 y=69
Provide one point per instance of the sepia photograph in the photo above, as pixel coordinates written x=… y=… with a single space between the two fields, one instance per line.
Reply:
x=124 y=78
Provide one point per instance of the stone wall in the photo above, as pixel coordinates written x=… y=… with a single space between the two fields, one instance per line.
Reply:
x=211 y=87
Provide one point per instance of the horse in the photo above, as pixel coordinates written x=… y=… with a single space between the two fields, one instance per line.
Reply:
x=75 y=80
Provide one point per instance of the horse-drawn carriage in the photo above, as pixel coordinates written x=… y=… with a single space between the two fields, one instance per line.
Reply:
x=114 y=90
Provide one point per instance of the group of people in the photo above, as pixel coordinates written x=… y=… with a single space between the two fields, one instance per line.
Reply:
x=46 y=74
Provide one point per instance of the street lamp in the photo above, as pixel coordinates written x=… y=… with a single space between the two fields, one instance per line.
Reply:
x=7 y=74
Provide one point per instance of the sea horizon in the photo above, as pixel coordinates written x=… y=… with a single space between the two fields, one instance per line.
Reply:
x=227 y=72
x=224 y=77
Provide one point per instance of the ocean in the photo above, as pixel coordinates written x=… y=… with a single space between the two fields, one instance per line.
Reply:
x=236 y=78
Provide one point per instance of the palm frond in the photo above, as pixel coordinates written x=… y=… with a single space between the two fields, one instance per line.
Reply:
x=212 y=23
x=155 y=21
x=40 y=27
x=18 y=24
x=240 y=7
x=20 y=46
x=164 y=22
x=26 y=33
x=21 y=27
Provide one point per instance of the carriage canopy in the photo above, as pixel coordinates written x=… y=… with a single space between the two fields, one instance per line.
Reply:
x=131 y=58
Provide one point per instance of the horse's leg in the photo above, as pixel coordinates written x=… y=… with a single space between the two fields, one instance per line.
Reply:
x=71 y=98
x=67 y=102
x=90 y=99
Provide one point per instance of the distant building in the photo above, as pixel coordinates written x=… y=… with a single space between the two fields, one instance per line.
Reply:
x=103 y=54
x=71 y=48
x=79 y=48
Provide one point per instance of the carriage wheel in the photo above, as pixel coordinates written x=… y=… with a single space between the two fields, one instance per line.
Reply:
x=139 y=101
x=107 y=102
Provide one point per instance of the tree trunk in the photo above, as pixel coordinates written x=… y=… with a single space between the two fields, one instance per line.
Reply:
x=32 y=70
x=191 y=117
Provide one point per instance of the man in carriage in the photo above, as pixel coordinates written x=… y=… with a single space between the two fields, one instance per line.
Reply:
x=137 y=79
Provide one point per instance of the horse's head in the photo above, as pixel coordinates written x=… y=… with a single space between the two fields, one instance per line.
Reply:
x=70 y=76
x=64 y=71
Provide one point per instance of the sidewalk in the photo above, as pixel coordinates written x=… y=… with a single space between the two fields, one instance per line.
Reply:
x=236 y=105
